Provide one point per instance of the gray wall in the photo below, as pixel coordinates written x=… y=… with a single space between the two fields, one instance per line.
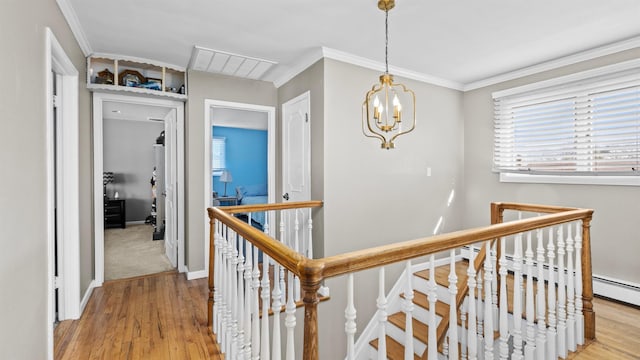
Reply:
x=128 y=153
x=614 y=232
x=218 y=87
x=23 y=213
x=374 y=196
x=312 y=80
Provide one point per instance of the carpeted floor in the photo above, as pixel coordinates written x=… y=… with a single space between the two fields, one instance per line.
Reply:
x=131 y=252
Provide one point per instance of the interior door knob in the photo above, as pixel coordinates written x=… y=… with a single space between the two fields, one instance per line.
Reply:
x=285 y=196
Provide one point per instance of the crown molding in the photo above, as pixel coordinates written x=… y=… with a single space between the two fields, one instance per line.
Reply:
x=324 y=52
x=299 y=66
x=590 y=54
x=72 y=19
x=396 y=71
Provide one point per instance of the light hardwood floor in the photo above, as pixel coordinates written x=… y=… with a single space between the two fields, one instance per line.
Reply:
x=163 y=316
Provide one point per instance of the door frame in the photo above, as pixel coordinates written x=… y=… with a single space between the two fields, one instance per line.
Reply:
x=57 y=60
x=209 y=104
x=98 y=152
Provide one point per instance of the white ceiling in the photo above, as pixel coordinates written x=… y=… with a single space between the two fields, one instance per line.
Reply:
x=461 y=42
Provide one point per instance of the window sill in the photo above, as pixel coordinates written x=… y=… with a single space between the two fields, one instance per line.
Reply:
x=571 y=180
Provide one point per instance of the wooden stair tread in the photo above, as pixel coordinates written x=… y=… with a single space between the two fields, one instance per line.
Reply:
x=395 y=350
x=421 y=299
x=420 y=330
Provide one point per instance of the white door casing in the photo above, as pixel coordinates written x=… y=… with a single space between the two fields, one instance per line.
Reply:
x=57 y=61
x=296 y=163
x=209 y=105
x=171 y=231
x=178 y=106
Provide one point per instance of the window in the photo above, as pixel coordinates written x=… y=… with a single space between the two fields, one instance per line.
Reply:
x=585 y=124
x=218 y=155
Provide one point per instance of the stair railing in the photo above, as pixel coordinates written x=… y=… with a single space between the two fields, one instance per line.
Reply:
x=235 y=247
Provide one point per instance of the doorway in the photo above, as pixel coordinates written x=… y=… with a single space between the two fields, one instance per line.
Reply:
x=239 y=116
x=63 y=229
x=138 y=187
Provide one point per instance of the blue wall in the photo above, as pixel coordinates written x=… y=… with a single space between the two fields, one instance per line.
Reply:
x=246 y=152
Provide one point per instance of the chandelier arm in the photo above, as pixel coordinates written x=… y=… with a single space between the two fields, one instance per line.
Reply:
x=371 y=134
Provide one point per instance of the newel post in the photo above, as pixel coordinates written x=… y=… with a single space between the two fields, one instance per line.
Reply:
x=211 y=263
x=587 y=282
x=310 y=279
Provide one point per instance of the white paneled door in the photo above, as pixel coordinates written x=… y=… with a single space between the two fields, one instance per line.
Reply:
x=296 y=164
x=171 y=160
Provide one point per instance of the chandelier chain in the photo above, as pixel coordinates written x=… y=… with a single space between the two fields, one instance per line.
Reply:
x=386 y=41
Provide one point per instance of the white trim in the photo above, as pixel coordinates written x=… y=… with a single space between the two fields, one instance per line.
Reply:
x=557 y=63
x=200 y=274
x=567 y=179
x=299 y=66
x=72 y=19
x=329 y=53
x=620 y=290
x=563 y=80
x=396 y=71
x=137 y=222
x=98 y=99
x=87 y=295
x=69 y=208
x=138 y=60
x=271 y=158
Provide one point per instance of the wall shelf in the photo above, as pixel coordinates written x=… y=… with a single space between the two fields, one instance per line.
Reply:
x=106 y=72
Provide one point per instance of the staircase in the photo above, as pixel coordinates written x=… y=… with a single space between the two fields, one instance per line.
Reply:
x=520 y=334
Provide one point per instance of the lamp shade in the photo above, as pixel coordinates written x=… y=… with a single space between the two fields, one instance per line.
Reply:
x=226 y=176
x=107 y=178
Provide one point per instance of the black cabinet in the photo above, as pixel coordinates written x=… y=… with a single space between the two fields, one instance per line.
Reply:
x=114 y=213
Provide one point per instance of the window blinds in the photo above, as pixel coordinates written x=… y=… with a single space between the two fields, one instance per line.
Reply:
x=589 y=126
x=218 y=154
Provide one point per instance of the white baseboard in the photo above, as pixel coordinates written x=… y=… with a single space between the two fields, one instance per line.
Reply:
x=616 y=289
x=87 y=296
x=200 y=274
x=137 y=222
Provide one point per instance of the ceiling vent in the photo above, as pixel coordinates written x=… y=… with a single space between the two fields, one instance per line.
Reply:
x=220 y=62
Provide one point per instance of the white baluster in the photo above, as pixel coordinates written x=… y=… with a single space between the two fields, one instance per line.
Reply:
x=296 y=281
x=310 y=237
x=236 y=286
x=255 y=322
x=494 y=287
x=488 y=308
x=504 y=306
x=530 y=347
x=265 y=351
x=579 y=314
x=453 y=309
x=540 y=299
x=408 y=310
x=240 y=299
x=571 y=307
x=230 y=276
x=562 y=297
x=290 y=319
x=382 y=317
x=350 y=316
x=471 y=304
x=551 y=300
x=432 y=295
x=463 y=331
x=247 y=300
x=216 y=277
x=517 y=298
x=480 y=314
x=445 y=348
x=284 y=240
x=276 y=307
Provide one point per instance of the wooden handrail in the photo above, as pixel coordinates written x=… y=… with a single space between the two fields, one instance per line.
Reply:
x=313 y=271
x=387 y=254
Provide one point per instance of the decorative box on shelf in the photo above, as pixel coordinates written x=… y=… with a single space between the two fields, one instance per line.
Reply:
x=121 y=73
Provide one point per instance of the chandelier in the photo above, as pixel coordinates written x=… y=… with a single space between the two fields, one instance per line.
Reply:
x=388 y=105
